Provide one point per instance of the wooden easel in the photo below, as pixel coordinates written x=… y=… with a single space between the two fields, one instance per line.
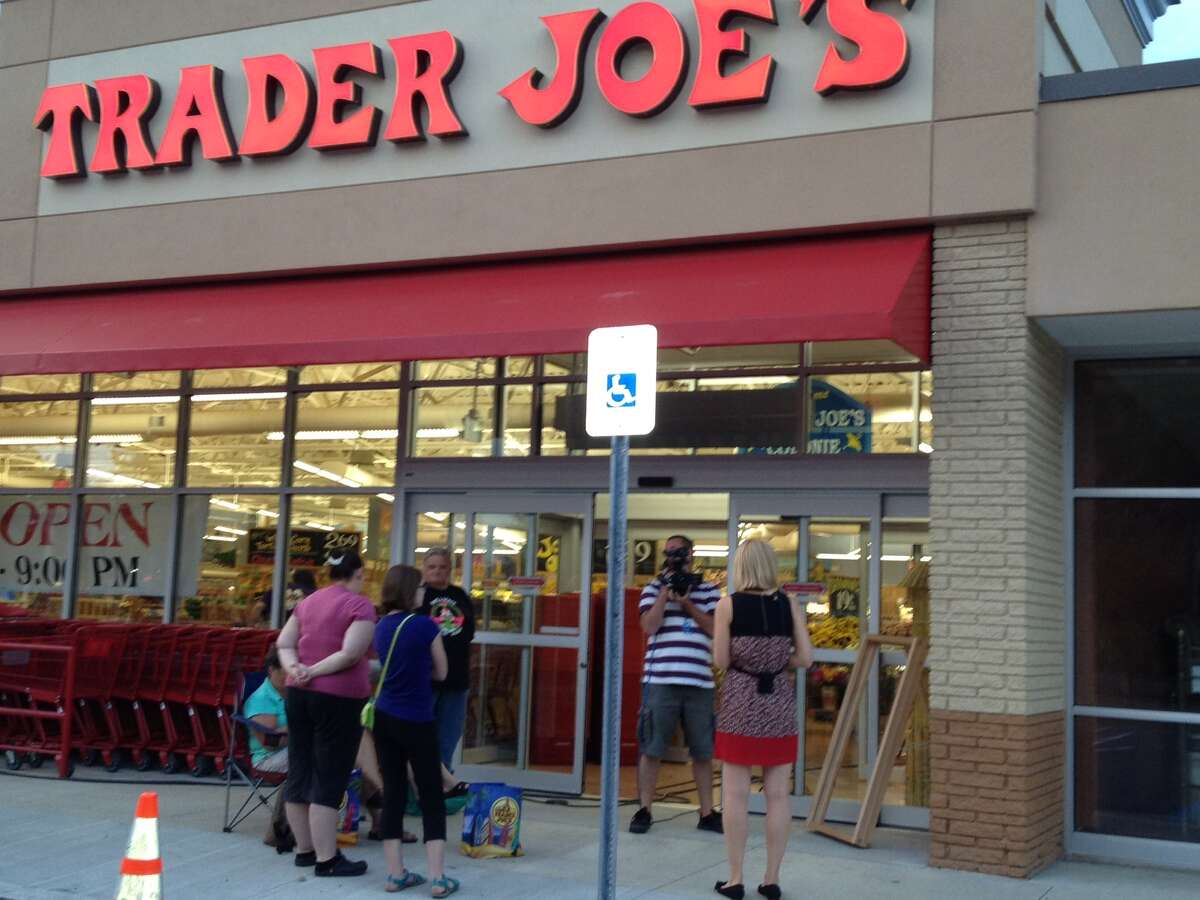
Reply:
x=889 y=746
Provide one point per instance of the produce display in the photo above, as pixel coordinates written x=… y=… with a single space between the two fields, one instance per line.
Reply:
x=837 y=632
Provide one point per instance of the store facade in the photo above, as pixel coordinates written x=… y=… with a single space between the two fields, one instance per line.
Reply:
x=281 y=281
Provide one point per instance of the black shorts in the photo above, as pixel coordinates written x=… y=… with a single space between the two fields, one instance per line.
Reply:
x=324 y=732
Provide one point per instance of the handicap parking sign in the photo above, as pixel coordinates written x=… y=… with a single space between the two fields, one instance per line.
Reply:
x=622 y=380
x=622 y=390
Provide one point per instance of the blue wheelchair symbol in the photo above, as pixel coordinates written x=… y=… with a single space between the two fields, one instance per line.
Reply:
x=622 y=390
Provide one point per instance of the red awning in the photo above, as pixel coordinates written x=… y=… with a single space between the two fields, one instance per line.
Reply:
x=867 y=287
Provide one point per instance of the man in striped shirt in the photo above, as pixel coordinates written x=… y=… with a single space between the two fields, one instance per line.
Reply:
x=677 y=680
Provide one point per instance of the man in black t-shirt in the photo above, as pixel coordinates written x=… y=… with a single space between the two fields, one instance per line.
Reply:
x=451 y=608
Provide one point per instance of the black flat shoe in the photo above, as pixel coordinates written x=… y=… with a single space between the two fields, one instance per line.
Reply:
x=770 y=891
x=459 y=790
x=304 y=860
x=733 y=891
x=340 y=867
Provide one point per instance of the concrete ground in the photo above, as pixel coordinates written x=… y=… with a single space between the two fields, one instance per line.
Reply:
x=67 y=838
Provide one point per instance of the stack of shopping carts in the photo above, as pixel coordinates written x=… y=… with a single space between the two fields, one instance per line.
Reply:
x=141 y=695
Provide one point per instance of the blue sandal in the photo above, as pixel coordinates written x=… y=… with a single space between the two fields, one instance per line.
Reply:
x=447 y=884
x=405 y=881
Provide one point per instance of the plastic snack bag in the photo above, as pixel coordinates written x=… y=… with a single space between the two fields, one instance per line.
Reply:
x=492 y=822
x=350 y=812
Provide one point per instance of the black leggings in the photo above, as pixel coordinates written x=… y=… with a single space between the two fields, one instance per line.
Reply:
x=323 y=737
x=399 y=742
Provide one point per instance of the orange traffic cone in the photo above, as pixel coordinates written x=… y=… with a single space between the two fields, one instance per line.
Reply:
x=141 y=870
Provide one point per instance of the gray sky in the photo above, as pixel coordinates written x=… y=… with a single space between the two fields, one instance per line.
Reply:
x=1176 y=35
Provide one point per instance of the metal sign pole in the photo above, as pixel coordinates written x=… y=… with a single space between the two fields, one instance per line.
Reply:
x=610 y=788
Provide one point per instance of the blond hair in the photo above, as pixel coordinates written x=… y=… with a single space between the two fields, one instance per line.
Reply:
x=755 y=567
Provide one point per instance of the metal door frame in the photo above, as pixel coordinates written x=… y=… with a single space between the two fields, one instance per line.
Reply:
x=531 y=503
x=806 y=506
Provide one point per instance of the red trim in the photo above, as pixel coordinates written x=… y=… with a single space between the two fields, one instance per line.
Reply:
x=141 y=867
x=756 y=751
x=862 y=287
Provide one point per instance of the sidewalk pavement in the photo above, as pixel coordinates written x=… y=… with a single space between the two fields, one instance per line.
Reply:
x=67 y=838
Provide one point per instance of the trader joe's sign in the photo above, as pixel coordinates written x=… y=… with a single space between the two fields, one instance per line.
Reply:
x=707 y=54
x=123 y=545
x=840 y=424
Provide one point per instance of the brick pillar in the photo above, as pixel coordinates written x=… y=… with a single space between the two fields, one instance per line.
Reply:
x=997 y=676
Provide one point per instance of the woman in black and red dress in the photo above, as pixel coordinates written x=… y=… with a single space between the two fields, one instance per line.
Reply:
x=760 y=639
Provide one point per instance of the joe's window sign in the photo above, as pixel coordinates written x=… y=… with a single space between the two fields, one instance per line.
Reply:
x=840 y=424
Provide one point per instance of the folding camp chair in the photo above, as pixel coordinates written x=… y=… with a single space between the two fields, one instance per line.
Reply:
x=262 y=786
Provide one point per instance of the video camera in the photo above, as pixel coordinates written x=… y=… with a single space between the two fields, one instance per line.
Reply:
x=678 y=578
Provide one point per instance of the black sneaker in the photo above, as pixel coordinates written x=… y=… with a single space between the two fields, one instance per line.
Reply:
x=304 y=860
x=340 y=867
x=712 y=822
x=641 y=822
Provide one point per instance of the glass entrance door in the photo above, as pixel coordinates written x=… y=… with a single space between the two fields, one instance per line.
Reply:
x=521 y=560
x=832 y=553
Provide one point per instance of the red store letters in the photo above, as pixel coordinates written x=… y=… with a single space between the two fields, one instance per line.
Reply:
x=287 y=106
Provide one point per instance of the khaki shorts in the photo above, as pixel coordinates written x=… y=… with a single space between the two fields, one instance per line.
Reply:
x=664 y=707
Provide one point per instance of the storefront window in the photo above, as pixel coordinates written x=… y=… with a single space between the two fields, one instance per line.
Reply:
x=346 y=438
x=135 y=381
x=838 y=614
x=350 y=373
x=236 y=439
x=1137 y=603
x=455 y=369
x=566 y=364
x=131 y=441
x=1136 y=423
x=37 y=443
x=123 y=555
x=233 y=539
x=260 y=376
x=1137 y=612
x=38 y=384
x=709 y=359
x=519 y=366
x=872 y=412
x=453 y=421
x=325 y=526
x=518 y=419
x=858 y=353
x=1138 y=779
x=35 y=544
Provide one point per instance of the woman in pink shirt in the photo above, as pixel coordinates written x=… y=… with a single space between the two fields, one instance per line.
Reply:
x=323 y=648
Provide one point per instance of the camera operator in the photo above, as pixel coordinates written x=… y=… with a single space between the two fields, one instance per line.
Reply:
x=677 y=685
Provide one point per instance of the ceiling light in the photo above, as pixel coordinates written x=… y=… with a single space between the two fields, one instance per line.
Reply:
x=319 y=526
x=438 y=433
x=854 y=557
x=32 y=441
x=110 y=439
x=472 y=426
x=122 y=480
x=228 y=530
x=892 y=558
x=436 y=516
x=924 y=447
x=268 y=513
x=251 y=395
x=220 y=537
x=379 y=434
x=134 y=401
x=325 y=473
x=388 y=498
x=224 y=504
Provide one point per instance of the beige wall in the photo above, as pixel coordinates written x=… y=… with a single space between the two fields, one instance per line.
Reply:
x=1115 y=228
x=976 y=158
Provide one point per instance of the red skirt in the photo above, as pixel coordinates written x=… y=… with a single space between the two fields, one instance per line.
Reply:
x=757 y=751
